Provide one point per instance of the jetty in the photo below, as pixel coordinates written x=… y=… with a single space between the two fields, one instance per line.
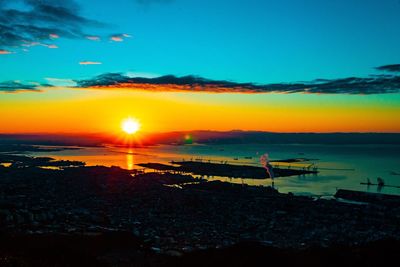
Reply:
x=379 y=183
x=368 y=197
x=223 y=169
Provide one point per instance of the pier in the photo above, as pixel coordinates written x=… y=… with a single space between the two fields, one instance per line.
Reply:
x=368 y=197
x=224 y=169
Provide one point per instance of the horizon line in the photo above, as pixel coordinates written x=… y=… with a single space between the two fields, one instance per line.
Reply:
x=189 y=131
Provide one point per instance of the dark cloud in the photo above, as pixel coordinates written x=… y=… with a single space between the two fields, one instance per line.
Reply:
x=390 y=68
x=41 y=21
x=382 y=84
x=376 y=84
x=16 y=87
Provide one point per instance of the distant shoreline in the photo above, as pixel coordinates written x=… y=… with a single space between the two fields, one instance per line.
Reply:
x=204 y=137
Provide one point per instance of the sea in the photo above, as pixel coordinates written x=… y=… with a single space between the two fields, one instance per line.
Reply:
x=339 y=166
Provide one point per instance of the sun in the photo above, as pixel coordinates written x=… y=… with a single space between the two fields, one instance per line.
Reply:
x=130 y=126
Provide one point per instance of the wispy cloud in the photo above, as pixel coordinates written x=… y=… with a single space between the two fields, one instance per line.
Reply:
x=5 y=52
x=379 y=84
x=31 y=44
x=54 y=36
x=120 y=37
x=116 y=38
x=36 y=22
x=61 y=82
x=90 y=63
x=40 y=21
x=51 y=46
x=93 y=38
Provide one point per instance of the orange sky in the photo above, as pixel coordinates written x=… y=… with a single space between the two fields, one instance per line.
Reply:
x=86 y=111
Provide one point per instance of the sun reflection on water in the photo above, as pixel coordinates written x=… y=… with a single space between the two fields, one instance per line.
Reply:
x=129 y=160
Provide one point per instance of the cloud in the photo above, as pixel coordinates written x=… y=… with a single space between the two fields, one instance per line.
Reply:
x=54 y=36
x=5 y=52
x=38 y=21
x=382 y=84
x=377 y=84
x=16 y=87
x=116 y=39
x=120 y=37
x=89 y=63
x=390 y=68
x=93 y=38
x=31 y=44
x=61 y=82
x=51 y=46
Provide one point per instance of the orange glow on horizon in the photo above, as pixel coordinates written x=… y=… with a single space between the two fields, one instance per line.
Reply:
x=102 y=111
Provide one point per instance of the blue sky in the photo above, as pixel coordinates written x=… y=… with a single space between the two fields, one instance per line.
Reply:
x=244 y=41
x=74 y=65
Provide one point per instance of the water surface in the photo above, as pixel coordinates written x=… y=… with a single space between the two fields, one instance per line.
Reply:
x=341 y=166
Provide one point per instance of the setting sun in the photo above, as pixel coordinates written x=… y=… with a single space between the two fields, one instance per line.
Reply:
x=130 y=126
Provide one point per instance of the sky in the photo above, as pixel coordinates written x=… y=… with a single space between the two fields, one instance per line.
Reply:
x=282 y=66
